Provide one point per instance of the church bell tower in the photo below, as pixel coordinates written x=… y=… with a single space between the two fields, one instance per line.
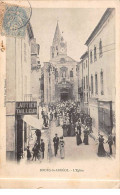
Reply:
x=59 y=46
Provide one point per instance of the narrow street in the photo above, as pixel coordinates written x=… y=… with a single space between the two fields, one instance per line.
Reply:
x=72 y=150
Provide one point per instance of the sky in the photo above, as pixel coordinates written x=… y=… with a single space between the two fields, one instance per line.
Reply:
x=75 y=23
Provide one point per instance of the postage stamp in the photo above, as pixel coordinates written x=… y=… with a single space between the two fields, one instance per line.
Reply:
x=15 y=20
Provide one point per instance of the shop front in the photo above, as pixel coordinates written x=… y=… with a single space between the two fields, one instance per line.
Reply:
x=105 y=116
x=24 y=122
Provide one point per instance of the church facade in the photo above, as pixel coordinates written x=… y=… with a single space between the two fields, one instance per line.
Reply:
x=59 y=76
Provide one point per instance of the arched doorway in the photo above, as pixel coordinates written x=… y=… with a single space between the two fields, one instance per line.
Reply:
x=63 y=91
x=64 y=94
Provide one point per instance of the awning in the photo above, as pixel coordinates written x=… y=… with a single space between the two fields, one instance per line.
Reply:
x=32 y=121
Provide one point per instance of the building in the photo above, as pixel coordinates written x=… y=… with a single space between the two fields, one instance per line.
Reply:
x=101 y=50
x=80 y=81
x=85 y=84
x=18 y=88
x=35 y=71
x=59 y=74
x=42 y=86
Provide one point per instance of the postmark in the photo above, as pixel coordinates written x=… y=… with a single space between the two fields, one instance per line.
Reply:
x=15 y=20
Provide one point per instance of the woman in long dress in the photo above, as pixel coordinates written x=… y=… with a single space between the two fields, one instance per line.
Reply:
x=78 y=138
x=79 y=128
x=62 y=149
x=101 y=150
x=28 y=153
x=72 y=129
x=64 y=130
x=86 y=133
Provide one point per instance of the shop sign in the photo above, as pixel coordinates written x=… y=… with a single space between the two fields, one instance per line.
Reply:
x=26 y=108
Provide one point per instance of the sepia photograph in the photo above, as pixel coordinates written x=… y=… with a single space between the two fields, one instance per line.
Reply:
x=59 y=90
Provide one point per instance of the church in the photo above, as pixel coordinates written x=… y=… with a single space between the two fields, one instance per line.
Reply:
x=59 y=77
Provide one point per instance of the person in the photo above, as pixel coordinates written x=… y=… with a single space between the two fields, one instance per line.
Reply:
x=62 y=149
x=51 y=116
x=58 y=118
x=114 y=140
x=45 y=121
x=35 y=151
x=79 y=128
x=110 y=143
x=39 y=155
x=55 y=115
x=86 y=133
x=56 y=143
x=64 y=129
x=38 y=135
x=69 y=129
x=78 y=138
x=28 y=153
x=101 y=150
x=42 y=148
x=72 y=132
x=42 y=113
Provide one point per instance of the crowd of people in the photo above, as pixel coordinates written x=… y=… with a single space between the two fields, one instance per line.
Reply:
x=68 y=115
x=74 y=123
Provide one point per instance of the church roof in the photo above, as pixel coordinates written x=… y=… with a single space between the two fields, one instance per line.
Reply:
x=69 y=59
x=57 y=35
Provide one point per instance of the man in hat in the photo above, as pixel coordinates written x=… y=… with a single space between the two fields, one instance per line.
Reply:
x=56 y=143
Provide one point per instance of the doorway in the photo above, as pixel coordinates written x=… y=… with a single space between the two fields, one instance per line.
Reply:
x=64 y=96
